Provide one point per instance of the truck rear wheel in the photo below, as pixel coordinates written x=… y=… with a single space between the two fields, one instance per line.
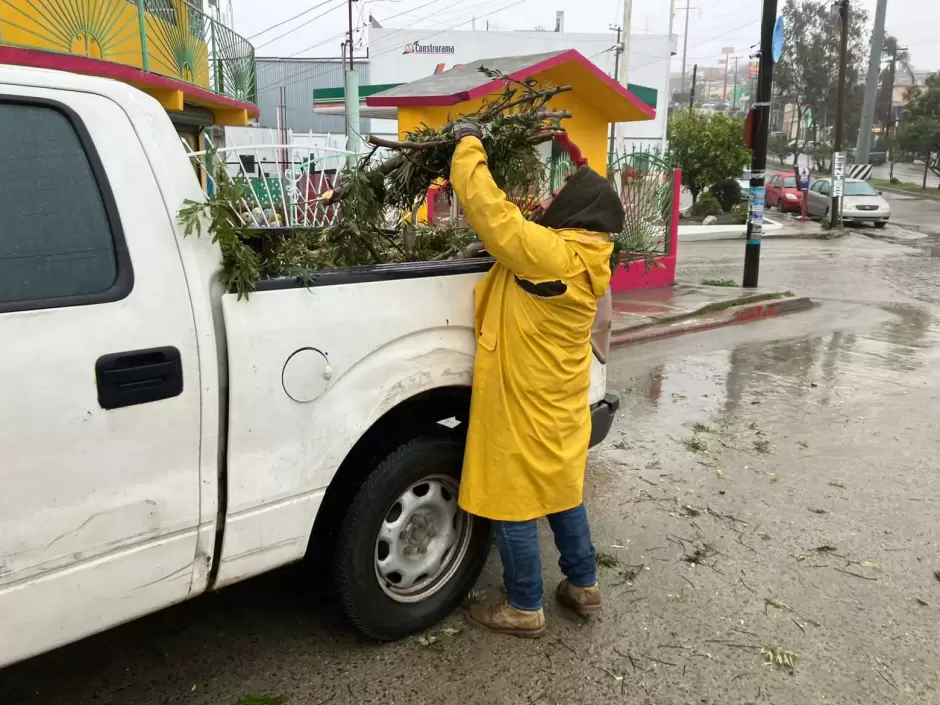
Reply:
x=407 y=555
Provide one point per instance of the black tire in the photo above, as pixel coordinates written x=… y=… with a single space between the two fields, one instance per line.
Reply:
x=881 y=224
x=364 y=601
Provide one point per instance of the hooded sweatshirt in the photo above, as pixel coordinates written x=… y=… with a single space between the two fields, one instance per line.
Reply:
x=530 y=425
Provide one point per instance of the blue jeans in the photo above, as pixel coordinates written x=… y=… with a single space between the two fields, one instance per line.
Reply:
x=518 y=543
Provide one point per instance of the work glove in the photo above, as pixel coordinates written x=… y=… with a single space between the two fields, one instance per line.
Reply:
x=467 y=127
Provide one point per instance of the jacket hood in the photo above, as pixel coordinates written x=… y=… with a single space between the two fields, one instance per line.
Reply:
x=587 y=201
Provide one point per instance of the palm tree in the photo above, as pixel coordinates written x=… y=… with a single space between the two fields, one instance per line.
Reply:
x=899 y=58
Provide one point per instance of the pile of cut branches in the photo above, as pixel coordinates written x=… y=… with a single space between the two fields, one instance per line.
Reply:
x=515 y=123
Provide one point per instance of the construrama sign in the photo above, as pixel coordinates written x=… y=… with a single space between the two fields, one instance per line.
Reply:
x=417 y=48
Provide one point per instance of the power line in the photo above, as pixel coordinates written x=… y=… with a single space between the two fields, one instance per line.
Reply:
x=411 y=24
x=303 y=24
x=289 y=19
x=297 y=78
x=343 y=33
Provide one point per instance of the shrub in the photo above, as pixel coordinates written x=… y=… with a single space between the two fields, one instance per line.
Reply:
x=739 y=213
x=728 y=193
x=706 y=205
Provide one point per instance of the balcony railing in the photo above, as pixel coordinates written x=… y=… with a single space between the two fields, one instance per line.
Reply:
x=167 y=37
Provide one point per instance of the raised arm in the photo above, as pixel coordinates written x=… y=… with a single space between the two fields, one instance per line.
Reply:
x=530 y=251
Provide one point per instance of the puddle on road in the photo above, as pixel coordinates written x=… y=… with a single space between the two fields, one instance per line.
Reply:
x=780 y=376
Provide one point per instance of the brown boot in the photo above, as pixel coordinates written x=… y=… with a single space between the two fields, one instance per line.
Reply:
x=508 y=620
x=581 y=600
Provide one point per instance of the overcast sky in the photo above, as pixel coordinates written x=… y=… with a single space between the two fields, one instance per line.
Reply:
x=714 y=25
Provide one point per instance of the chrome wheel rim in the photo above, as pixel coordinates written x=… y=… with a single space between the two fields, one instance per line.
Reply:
x=422 y=540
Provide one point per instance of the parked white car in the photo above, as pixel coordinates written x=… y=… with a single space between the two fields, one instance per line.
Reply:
x=160 y=438
x=860 y=202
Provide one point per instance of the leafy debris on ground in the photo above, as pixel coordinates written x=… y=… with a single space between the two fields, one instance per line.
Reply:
x=818 y=511
x=474 y=597
x=606 y=560
x=773 y=479
x=825 y=548
x=778 y=657
x=700 y=555
x=260 y=699
x=702 y=428
x=696 y=444
x=762 y=446
x=434 y=641
x=922 y=603
x=836 y=484
x=719 y=282
x=429 y=641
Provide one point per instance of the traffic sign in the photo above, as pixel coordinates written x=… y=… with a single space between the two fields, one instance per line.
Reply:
x=802 y=177
x=838 y=173
x=777 y=45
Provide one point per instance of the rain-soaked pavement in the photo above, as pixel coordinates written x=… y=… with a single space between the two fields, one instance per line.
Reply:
x=767 y=486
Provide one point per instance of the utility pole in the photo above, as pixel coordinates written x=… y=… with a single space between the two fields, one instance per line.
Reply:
x=761 y=126
x=613 y=125
x=672 y=19
x=727 y=62
x=835 y=209
x=871 y=84
x=734 y=86
x=685 y=40
x=351 y=95
x=692 y=90
x=623 y=72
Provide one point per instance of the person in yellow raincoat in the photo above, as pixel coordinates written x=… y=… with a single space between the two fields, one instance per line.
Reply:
x=530 y=425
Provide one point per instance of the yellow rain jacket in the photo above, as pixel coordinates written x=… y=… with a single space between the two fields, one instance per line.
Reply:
x=530 y=425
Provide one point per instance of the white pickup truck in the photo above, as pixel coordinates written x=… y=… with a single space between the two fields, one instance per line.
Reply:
x=160 y=438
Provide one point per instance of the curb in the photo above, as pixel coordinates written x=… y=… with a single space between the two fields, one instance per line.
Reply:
x=705 y=320
x=911 y=194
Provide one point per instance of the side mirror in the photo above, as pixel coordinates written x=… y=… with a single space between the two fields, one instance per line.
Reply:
x=881 y=193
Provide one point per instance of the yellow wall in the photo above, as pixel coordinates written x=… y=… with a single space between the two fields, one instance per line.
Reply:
x=587 y=127
x=110 y=30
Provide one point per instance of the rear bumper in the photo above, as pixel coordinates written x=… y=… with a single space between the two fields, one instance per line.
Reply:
x=602 y=417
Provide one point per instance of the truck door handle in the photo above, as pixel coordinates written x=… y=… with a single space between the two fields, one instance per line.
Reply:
x=138 y=377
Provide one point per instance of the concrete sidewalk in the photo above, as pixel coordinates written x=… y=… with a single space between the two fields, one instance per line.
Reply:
x=779 y=225
x=646 y=314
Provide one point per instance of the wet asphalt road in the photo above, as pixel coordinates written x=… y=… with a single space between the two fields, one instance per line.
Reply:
x=803 y=512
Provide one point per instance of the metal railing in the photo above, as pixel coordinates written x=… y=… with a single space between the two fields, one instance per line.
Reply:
x=286 y=183
x=167 y=37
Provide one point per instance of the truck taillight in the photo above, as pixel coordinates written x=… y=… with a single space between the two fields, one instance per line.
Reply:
x=600 y=331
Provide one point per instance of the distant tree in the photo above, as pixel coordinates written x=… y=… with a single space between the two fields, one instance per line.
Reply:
x=919 y=132
x=779 y=148
x=808 y=70
x=887 y=79
x=709 y=148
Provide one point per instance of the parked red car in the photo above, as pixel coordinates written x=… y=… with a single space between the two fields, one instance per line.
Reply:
x=782 y=193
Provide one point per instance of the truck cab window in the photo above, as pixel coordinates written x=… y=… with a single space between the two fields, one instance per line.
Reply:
x=57 y=240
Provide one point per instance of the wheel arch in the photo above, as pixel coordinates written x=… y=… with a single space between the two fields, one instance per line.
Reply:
x=418 y=415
